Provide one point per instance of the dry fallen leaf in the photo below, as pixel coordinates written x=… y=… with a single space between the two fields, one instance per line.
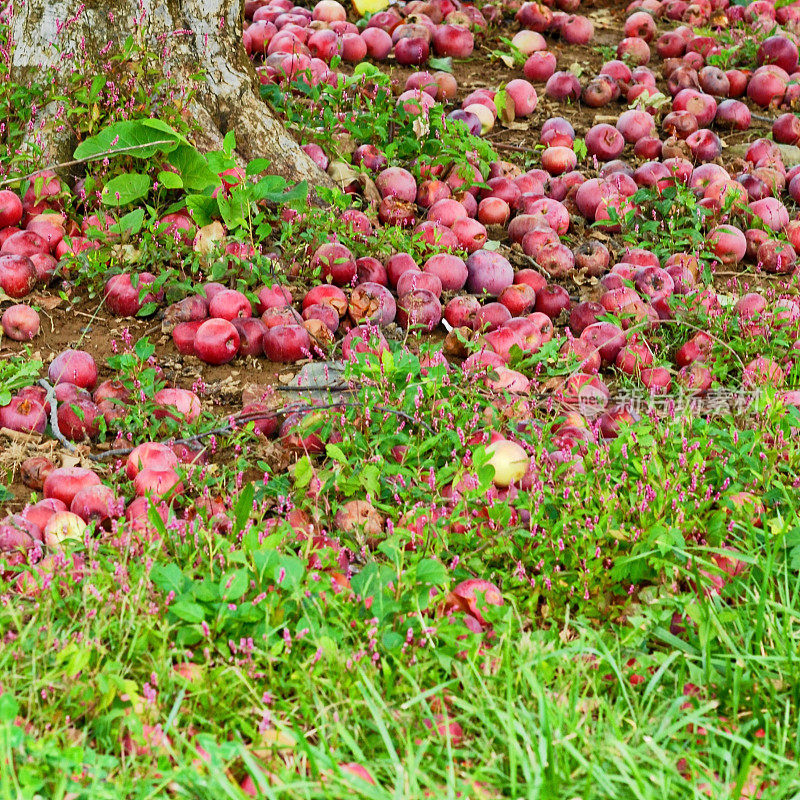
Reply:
x=47 y=302
x=342 y=173
x=421 y=126
x=369 y=189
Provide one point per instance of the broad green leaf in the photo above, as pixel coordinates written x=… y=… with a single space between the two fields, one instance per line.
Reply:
x=136 y=138
x=125 y=189
x=257 y=165
x=206 y=590
x=430 y=571
x=188 y=611
x=288 y=571
x=169 y=180
x=243 y=508
x=98 y=82
x=367 y=69
x=219 y=162
x=9 y=707
x=233 y=585
x=234 y=209
x=271 y=188
x=229 y=143
x=441 y=64
x=204 y=208
x=147 y=309
x=335 y=452
x=130 y=223
x=268 y=187
x=194 y=169
x=167 y=577
x=143 y=348
x=303 y=472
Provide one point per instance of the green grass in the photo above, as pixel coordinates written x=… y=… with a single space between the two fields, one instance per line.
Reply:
x=613 y=669
x=566 y=695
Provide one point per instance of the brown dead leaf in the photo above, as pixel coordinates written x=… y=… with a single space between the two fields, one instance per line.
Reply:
x=46 y=301
x=421 y=126
x=369 y=189
x=342 y=173
x=343 y=143
x=20 y=436
x=506 y=110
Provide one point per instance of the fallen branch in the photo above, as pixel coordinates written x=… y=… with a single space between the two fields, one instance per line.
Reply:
x=76 y=161
x=238 y=420
x=53 y=405
x=337 y=387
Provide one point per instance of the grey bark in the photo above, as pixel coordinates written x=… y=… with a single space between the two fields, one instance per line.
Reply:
x=192 y=36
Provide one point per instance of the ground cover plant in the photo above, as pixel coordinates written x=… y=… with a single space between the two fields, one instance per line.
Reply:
x=468 y=469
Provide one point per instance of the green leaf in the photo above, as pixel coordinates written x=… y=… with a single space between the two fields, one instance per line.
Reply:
x=392 y=640
x=144 y=348
x=233 y=210
x=367 y=69
x=154 y=518
x=168 y=577
x=131 y=223
x=430 y=571
x=125 y=189
x=147 y=309
x=135 y=138
x=293 y=569
x=370 y=479
x=204 y=209
x=219 y=162
x=9 y=708
x=229 y=143
x=373 y=578
x=335 y=452
x=188 y=611
x=234 y=584
x=243 y=508
x=303 y=472
x=169 y=180
x=269 y=188
x=441 y=64
x=506 y=109
x=194 y=169
x=98 y=82
x=257 y=166
x=206 y=590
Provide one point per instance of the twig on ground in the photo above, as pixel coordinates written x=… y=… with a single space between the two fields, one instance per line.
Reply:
x=53 y=405
x=237 y=420
x=337 y=387
x=76 y=161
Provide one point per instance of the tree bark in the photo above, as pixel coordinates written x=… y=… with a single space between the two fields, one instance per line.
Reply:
x=190 y=37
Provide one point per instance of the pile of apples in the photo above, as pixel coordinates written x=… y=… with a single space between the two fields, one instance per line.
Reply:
x=294 y=39
x=463 y=281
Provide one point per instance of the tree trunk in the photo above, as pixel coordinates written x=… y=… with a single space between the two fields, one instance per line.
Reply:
x=190 y=37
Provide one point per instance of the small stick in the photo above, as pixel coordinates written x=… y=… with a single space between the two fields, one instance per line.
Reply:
x=96 y=157
x=51 y=401
x=256 y=415
x=514 y=148
x=338 y=387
